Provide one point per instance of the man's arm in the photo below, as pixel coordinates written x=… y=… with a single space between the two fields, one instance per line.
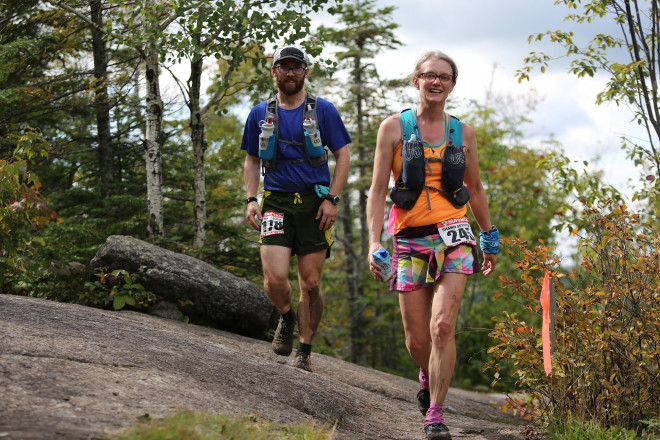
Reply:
x=251 y=168
x=327 y=211
x=342 y=165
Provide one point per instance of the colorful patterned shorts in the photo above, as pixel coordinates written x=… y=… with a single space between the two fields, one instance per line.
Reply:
x=415 y=259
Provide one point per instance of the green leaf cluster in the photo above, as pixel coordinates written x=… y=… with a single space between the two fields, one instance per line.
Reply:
x=629 y=59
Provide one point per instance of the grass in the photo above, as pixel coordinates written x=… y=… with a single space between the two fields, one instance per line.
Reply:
x=190 y=425
x=581 y=430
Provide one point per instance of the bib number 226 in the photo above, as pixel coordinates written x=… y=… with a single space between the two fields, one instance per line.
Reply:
x=272 y=223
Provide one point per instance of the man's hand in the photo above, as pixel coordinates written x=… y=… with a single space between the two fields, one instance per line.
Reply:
x=327 y=213
x=253 y=211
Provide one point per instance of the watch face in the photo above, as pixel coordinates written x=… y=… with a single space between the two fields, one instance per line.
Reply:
x=333 y=199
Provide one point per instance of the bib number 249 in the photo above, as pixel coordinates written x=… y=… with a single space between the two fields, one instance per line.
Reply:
x=456 y=231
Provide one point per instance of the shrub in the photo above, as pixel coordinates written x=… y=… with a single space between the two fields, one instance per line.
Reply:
x=23 y=213
x=606 y=359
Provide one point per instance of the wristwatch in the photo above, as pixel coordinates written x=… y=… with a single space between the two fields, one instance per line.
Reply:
x=492 y=229
x=250 y=200
x=333 y=199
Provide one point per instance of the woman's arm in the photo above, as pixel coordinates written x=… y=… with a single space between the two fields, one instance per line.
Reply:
x=389 y=135
x=478 y=200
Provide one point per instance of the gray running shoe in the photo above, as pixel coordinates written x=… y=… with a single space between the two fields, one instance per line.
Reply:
x=303 y=362
x=283 y=340
x=437 y=431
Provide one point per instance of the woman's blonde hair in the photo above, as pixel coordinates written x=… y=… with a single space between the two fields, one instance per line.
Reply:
x=440 y=56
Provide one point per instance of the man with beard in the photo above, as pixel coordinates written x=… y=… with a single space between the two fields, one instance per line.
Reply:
x=299 y=203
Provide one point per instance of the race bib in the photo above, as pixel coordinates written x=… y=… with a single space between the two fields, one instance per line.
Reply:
x=456 y=231
x=272 y=223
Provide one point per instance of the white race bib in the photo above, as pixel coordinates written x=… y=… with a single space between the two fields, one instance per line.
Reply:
x=456 y=231
x=272 y=223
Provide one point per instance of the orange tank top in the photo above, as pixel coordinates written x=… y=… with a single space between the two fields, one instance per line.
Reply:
x=431 y=206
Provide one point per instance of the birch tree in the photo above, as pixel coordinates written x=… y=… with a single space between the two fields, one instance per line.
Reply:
x=141 y=26
x=233 y=32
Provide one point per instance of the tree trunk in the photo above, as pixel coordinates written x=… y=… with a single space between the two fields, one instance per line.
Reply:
x=361 y=254
x=154 y=140
x=106 y=148
x=355 y=308
x=199 y=152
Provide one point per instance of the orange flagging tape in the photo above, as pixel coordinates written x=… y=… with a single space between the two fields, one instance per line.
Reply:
x=545 y=329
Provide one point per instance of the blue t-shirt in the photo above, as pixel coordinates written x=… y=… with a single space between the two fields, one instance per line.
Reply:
x=296 y=176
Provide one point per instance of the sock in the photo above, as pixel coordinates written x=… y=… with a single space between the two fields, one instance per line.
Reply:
x=434 y=415
x=289 y=316
x=423 y=380
x=305 y=349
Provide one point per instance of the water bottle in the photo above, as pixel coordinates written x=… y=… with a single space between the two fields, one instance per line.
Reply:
x=267 y=139
x=312 y=138
x=382 y=258
x=413 y=173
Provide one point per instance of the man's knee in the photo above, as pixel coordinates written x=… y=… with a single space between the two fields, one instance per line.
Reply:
x=314 y=292
x=276 y=284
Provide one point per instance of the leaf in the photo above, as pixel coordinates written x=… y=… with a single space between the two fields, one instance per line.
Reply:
x=119 y=302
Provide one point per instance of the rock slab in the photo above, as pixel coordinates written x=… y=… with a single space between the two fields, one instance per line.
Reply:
x=73 y=372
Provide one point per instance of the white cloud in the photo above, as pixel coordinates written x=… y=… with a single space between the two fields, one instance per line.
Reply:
x=489 y=41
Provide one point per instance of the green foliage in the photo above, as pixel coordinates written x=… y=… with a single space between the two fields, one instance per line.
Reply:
x=125 y=291
x=575 y=429
x=362 y=323
x=607 y=355
x=523 y=203
x=191 y=425
x=23 y=214
x=633 y=83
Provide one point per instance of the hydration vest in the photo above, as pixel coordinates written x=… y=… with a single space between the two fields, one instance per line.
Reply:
x=309 y=110
x=412 y=178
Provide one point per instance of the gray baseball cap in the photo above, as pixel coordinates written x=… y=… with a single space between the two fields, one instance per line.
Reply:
x=290 y=52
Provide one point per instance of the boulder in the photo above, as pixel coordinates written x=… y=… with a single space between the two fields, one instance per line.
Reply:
x=208 y=295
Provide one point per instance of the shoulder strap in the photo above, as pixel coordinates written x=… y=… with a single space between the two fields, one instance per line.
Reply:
x=408 y=124
x=456 y=131
x=308 y=111
x=310 y=107
x=271 y=110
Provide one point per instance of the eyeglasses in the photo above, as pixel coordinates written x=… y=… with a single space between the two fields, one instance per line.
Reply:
x=430 y=76
x=284 y=70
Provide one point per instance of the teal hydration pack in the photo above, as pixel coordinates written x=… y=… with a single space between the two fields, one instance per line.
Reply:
x=314 y=156
x=412 y=178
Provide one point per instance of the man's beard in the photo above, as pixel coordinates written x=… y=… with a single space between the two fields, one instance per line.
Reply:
x=290 y=89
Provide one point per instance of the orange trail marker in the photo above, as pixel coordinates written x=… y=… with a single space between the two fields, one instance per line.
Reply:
x=545 y=329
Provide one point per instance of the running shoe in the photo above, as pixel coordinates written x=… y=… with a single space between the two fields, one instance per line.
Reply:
x=437 y=431
x=423 y=401
x=283 y=340
x=303 y=362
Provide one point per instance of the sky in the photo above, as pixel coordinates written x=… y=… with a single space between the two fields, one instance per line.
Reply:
x=489 y=41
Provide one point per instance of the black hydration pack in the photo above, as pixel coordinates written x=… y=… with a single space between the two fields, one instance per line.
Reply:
x=412 y=178
x=309 y=111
